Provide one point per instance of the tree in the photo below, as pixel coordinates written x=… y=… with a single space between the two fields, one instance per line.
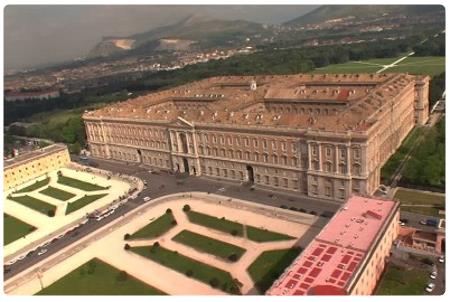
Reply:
x=186 y=208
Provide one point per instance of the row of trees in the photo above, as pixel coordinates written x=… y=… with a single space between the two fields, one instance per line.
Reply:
x=434 y=46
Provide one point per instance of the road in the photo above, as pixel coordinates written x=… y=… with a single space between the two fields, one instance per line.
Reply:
x=414 y=221
x=164 y=184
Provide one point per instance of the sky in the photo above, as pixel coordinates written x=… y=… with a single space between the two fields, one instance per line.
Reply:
x=35 y=35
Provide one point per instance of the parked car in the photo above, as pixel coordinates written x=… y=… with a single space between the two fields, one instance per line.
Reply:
x=433 y=275
x=441 y=259
x=430 y=287
x=21 y=257
x=146 y=198
x=42 y=252
x=99 y=218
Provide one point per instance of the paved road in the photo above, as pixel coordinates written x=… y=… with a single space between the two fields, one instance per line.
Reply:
x=163 y=184
x=414 y=221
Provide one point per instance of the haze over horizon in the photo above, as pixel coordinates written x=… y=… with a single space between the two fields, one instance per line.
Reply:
x=36 y=35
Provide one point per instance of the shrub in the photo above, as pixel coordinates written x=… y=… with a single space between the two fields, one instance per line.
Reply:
x=126 y=236
x=189 y=273
x=174 y=222
x=126 y=247
x=313 y=213
x=186 y=208
x=214 y=282
x=122 y=276
x=283 y=206
x=293 y=208
x=302 y=210
x=169 y=211
x=234 y=232
x=156 y=244
x=51 y=213
x=233 y=257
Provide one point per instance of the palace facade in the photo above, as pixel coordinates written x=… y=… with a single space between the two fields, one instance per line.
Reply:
x=324 y=136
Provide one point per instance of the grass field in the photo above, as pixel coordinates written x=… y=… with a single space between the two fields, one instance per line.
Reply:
x=155 y=228
x=408 y=197
x=37 y=185
x=14 y=229
x=270 y=265
x=398 y=281
x=259 y=235
x=34 y=203
x=209 y=245
x=190 y=267
x=78 y=184
x=82 y=202
x=98 y=278
x=421 y=65
x=57 y=193
x=212 y=222
x=414 y=65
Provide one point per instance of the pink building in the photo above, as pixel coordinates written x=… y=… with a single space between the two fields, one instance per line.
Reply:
x=349 y=254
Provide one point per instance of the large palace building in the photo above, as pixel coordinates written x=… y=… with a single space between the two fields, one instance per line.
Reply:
x=325 y=136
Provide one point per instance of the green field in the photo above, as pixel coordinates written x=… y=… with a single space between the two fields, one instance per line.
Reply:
x=209 y=245
x=407 y=197
x=399 y=281
x=260 y=235
x=34 y=203
x=414 y=65
x=270 y=265
x=190 y=267
x=155 y=228
x=38 y=184
x=212 y=222
x=421 y=65
x=14 y=229
x=98 y=278
x=82 y=202
x=78 y=184
x=57 y=193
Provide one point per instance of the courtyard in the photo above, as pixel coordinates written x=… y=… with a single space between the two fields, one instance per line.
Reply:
x=48 y=203
x=160 y=245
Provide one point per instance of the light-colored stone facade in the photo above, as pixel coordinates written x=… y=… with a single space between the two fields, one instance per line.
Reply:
x=325 y=136
x=31 y=165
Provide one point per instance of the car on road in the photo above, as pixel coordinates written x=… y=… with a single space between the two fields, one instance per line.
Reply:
x=147 y=198
x=221 y=190
x=430 y=287
x=441 y=259
x=433 y=275
x=42 y=252
x=99 y=218
x=21 y=257
x=401 y=223
x=429 y=222
x=60 y=236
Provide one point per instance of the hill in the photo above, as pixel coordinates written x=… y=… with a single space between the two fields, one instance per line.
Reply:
x=199 y=29
x=327 y=12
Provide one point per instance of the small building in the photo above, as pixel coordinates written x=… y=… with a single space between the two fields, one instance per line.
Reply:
x=349 y=254
x=27 y=166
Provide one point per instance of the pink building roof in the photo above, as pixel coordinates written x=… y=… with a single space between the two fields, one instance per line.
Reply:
x=332 y=259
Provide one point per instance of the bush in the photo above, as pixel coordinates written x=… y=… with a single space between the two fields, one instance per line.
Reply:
x=51 y=213
x=126 y=236
x=214 y=282
x=234 y=232
x=186 y=208
x=293 y=208
x=283 y=206
x=169 y=211
x=427 y=261
x=233 y=257
x=122 y=276
x=302 y=210
x=313 y=213
x=189 y=273
x=174 y=222
x=126 y=247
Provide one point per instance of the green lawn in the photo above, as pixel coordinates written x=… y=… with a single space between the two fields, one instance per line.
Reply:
x=38 y=184
x=155 y=228
x=270 y=265
x=78 y=184
x=82 y=202
x=421 y=65
x=399 y=281
x=209 y=245
x=57 y=193
x=98 y=278
x=212 y=222
x=34 y=203
x=14 y=229
x=415 y=65
x=407 y=197
x=190 y=267
x=260 y=235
